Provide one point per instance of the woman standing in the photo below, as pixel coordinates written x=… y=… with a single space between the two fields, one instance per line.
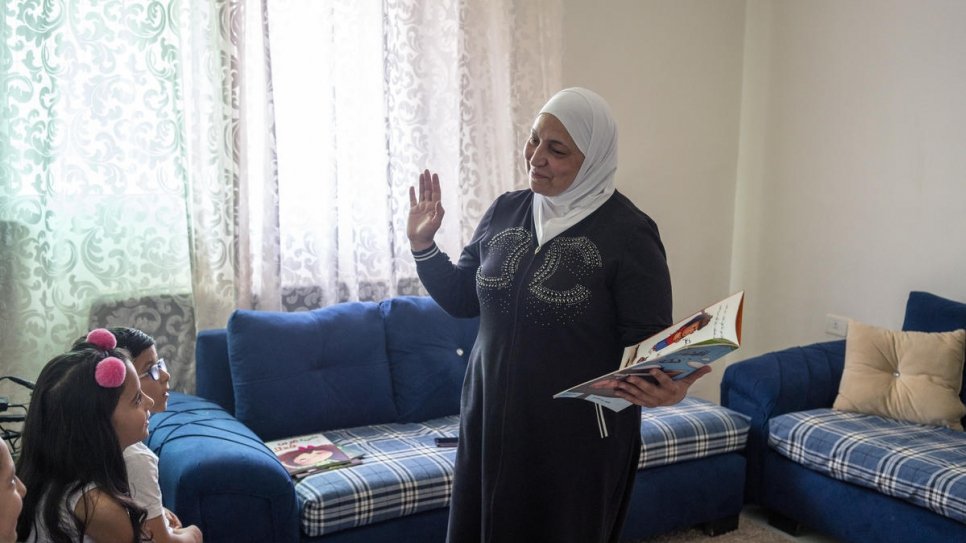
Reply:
x=563 y=276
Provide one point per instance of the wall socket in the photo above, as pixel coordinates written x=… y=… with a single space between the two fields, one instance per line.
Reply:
x=836 y=325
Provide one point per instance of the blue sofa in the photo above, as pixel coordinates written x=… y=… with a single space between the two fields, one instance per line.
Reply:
x=385 y=379
x=790 y=392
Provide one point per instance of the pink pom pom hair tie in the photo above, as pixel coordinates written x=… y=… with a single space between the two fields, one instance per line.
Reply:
x=102 y=338
x=110 y=372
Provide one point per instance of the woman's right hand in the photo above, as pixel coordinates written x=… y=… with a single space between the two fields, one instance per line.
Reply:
x=425 y=213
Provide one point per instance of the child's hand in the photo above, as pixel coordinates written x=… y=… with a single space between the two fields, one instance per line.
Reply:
x=167 y=528
x=173 y=520
x=190 y=531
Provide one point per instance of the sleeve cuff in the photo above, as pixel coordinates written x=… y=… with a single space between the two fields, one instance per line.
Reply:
x=422 y=256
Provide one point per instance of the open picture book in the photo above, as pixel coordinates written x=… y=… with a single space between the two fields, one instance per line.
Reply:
x=678 y=350
x=308 y=454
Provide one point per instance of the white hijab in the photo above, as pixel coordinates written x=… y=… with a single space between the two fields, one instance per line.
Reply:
x=588 y=120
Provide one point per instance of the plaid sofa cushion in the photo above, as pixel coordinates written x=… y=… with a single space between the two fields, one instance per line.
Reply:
x=403 y=472
x=924 y=465
x=693 y=428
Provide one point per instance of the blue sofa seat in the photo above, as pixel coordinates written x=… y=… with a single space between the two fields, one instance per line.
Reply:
x=924 y=465
x=384 y=379
x=803 y=458
x=404 y=472
x=690 y=430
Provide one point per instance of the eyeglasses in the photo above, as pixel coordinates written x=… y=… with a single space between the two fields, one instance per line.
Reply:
x=155 y=370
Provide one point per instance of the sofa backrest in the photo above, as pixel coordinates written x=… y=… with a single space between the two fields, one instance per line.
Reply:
x=310 y=371
x=351 y=364
x=212 y=372
x=927 y=312
x=428 y=352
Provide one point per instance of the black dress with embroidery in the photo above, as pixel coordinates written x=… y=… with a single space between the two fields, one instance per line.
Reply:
x=529 y=467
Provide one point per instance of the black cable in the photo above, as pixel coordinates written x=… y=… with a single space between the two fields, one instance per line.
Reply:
x=20 y=381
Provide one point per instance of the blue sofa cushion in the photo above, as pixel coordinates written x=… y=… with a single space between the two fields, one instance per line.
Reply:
x=921 y=464
x=691 y=429
x=428 y=351
x=310 y=371
x=403 y=472
x=927 y=312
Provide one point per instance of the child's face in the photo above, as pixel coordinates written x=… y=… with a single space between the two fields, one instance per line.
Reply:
x=12 y=492
x=312 y=457
x=157 y=390
x=130 y=417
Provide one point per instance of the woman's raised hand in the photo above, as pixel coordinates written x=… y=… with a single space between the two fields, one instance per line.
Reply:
x=425 y=213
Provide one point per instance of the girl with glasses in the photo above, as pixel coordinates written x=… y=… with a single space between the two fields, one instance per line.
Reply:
x=142 y=463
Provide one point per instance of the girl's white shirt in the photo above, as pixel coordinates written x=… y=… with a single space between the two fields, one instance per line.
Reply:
x=142 y=477
x=39 y=533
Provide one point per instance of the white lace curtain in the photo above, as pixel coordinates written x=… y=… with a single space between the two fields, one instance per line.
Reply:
x=364 y=95
x=172 y=161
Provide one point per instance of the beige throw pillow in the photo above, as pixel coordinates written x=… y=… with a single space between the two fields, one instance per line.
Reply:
x=908 y=376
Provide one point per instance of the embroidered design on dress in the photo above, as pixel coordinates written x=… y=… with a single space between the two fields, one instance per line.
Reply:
x=508 y=246
x=567 y=261
x=577 y=257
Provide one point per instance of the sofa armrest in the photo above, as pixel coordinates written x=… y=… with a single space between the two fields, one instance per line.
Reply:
x=781 y=382
x=217 y=474
x=776 y=383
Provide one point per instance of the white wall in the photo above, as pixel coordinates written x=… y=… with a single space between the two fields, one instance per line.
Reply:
x=838 y=126
x=852 y=170
x=671 y=71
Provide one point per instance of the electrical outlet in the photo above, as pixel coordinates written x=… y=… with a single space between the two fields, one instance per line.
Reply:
x=836 y=325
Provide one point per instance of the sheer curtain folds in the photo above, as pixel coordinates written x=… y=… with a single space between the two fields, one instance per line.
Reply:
x=163 y=163
x=108 y=112
x=367 y=94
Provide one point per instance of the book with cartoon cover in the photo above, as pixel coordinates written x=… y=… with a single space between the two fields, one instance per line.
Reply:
x=307 y=454
x=678 y=350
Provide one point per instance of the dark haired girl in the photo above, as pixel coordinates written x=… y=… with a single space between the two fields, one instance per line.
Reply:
x=86 y=408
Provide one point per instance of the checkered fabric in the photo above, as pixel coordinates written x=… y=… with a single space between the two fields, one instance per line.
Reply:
x=693 y=428
x=403 y=472
x=924 y=465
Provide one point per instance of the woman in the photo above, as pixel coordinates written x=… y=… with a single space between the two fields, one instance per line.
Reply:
x=563 y=276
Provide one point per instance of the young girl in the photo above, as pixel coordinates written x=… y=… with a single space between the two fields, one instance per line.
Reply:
x=142 y=464
x=11 y=496
x=87 y=407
